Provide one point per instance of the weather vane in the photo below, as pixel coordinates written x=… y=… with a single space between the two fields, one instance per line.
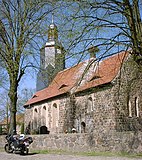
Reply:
x=52 y=13
x=52 y=17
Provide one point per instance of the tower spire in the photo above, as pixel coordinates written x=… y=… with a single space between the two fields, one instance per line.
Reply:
x=52 y=31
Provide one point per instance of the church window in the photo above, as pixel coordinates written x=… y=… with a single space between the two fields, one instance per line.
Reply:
x=136 y=106
x=35 y=113
x=55 y=115
x=44 y=108
x=90 y=105
x=36 y=110
x=35 y=120
x=134 y=109
x=55 y=105
x=43 y=115
x=130 y=109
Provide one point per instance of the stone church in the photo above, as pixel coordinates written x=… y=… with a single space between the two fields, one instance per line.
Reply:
x=92 y=96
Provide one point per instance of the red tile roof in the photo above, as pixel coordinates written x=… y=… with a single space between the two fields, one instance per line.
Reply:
x=65 y=80
x=61 y=84
x=106 y=71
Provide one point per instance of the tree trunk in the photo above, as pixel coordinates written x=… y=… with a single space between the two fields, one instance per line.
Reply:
x=13 y=108
x=134 y=22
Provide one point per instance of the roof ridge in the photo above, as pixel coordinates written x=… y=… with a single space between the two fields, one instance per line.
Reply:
x=66 y=69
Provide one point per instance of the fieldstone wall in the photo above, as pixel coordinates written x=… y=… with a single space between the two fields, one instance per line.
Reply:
x=112 y=141
x=128 y=88
x=111 y=103
x=97 y=114
x=104 y=112
x=2 y=141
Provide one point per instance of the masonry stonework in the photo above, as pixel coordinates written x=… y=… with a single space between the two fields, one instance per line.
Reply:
x=102 y=116
x=128 y=89
x=111 y=141
x=107 y=117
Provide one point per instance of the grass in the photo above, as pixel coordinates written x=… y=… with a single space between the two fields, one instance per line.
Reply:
x=49 y=151
x=105 y=154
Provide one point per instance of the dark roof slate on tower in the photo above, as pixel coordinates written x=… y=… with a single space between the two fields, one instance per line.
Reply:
x=64 y=81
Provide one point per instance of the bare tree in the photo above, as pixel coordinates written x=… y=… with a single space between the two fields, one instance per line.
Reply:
x=23 y=97
x=110 y=25
x=4 y=108
x=20 y=24
x=3 y=77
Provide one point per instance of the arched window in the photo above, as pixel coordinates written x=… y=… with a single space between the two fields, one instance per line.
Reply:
x=35 y=118
x=36 y=110
x=136 y=106
x=55 y=115
x=43 y=115
x=35 y=113
x=130 y=109
x=134 y=109
x=44 y=108
x=90 y=105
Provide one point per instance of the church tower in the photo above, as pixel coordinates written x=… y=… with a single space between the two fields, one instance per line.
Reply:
x=52 y=58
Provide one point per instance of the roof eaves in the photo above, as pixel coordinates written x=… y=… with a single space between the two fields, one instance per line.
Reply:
x=42 y=100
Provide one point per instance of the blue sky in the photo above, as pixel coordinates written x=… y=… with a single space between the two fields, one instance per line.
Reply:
x=29 y=80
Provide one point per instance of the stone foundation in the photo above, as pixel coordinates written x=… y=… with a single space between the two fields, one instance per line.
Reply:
x=112 y=141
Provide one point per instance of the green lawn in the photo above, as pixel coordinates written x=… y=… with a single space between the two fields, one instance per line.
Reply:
x=108 y=154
